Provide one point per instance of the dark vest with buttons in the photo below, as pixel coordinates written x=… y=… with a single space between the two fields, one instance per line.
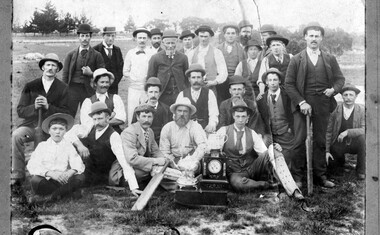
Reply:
x=273 y=63
x=316 y=77
x=238 y=162
x=202 y=113
x=278 y=118
x=251 y=76
x=232 y=59
x=347 y=124
x=78 y=76
x=109 y=63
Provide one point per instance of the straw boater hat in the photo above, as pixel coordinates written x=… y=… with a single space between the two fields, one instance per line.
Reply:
x=155 y=31
x=195 y=68
x=99 y=106
x=267 y=28
x=143 y=30
x=277 y=38
x=245 y=23
x=153 y=81
x=253 y=42
x=68 y=118
x=183 y=102
x=51 y=57
x=84 y=28
x=109 y=30
x=314 y=25
x=204 y=28
x=272 y=70
x=241 y=104
x=349 y=87
x=186 y=33
x=99 y=72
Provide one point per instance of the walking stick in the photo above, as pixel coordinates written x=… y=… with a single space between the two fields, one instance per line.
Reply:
x=39 y=134
x=309 y=155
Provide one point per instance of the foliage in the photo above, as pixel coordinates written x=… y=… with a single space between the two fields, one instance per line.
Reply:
x=162 y=24
x=46 y=20
x=130 y=25
x=192 y=23
x=66 y=24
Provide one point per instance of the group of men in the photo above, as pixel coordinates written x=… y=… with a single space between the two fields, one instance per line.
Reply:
x=257 y=95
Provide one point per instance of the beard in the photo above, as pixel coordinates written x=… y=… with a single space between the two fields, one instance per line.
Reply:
x=156 y=44
x=244 y=39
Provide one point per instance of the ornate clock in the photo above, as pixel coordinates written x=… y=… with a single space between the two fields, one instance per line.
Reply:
x=214 y=172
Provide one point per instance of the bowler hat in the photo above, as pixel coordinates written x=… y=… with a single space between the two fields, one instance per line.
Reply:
x=277 y=38
x=245 y=23
x=141 y=30
x=99 y=72
x=272 y=70
x=204 y=28
x=314 y=25
x=195 y=68
x=253 y=42
x=186 y=33
x=349 y=87
x=153 y=81
x=155 y=31
x=267 y=28
x=183 y=102
x=231 y=26
x=237 y=79
x=144 y=108
x=84 y=28
x=99 y=106
x=239 y=103
x=109 y=30
x=51 y=57
x=169 y=33
x=68 y=118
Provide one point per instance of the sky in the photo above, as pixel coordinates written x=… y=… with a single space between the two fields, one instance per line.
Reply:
x=346 y=14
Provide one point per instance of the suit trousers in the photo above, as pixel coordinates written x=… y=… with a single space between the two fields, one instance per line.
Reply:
x=42 y=186
x=77 y=94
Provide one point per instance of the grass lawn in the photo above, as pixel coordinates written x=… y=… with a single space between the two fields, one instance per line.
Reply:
x=107 y=211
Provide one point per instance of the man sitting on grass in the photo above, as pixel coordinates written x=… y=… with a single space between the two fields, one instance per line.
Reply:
x=55 y=166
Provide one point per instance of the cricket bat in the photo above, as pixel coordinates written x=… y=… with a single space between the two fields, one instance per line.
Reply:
x=39 y=133
x=149 y=189
x=309 y=155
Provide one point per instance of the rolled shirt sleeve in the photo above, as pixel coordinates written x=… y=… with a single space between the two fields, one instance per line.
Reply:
x=213 y=109
x=221 y=66
x=119 y=108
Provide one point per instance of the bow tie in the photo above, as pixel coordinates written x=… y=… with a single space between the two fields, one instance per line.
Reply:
x=318 y=52
x=140 y=52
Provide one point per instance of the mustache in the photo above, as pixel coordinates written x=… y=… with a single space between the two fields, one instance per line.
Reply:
x=153 y=98
x=156 y=44
x=197 y=83
x=147 y=123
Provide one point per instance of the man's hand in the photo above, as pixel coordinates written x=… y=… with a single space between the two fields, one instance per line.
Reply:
x=57 y=176
x=278 y=147
x=260 y=96
x=261 y=91
x=329 y=156
x=82 y=150
x=305 y=109
x=172 y=164
x=136 y=192
x=210 y=128
x=41 y=102
x=210 y=83
x=86 y=70
x=159 y=161
x=342 y=135
x=329 y=92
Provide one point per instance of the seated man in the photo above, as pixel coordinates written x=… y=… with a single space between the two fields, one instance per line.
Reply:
x=202 y=98
x=102 y=151
x=346 y=132
x=101 y=82
x=249 y=159
x=55 y=166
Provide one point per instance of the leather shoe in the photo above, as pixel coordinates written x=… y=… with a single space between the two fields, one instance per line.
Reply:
x=328 y=184
x=361 y=176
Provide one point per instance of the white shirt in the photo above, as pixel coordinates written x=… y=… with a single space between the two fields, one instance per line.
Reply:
x=118 y=105
x=106 y=46
x=251 y=65
x=213 y=111
x=81 y=131
x=47 y=84
x=265 y=66
x=313 y=55
x=347 y=112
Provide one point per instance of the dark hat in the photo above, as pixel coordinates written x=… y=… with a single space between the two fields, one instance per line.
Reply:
x=97 y=73
x=84 y=28
x=99 y=106
x=239 y=103
x=231 y=26
x=169 y=33
x=277 y=38
x=109 y=30
x=253 y=42
x=245 y=23
x=68 y=118
x=183 y=102
x=144 y=108
x=204 y=28
x=272 y=70
x=51 y=57
x=349 y=87
x=314 y=25
x=141 y=30
x=152 y=81
x=186 y=33
x=237 y=79
x=195 y=68
x=155 y=31
x=267 y=28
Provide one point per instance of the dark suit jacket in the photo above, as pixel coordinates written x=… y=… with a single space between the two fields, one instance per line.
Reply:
x=57 y=98
x=94 y=61
x=118 y=67
x=296 y=73
x=162 y=67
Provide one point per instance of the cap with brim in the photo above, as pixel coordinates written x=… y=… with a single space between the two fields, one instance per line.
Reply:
x=144 y=108
x=186 y=33
x=68 y=118
x=204 y=28
x=267 y=28
x=195 y=68
x=99 y=72
x=253 y=42
x=277 y=38
x=51 y=57
x=231 y=26
x=314 y=25
x=109 y=30
x=169 y=33
x=99 y=106
x=273 y=70
x=237 y=79
x=241 y=104
x=141 y=30
x=183 y=102
x=155 y=31
x=152 y=81
x=245 y=23
x=349 y=87
x=84 y=28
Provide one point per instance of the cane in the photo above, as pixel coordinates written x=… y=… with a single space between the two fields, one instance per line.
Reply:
x=39 y=134
x=309 y=155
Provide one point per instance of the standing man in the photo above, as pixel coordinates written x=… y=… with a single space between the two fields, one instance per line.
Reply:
x=78 y=68
x=169 y=66
x=312 y=79
x=245 y=28
x=136 y=68
x=346 y=132
x=156 y=40
x=112 y=57
x=266 y=31
x=187 y=38
x=202 y=98
x=47 y=93
x=210 y=58
x=233 y=53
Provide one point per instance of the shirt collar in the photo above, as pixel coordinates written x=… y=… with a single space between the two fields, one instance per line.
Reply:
x=249 y=59
x=195 y=91
x=99 y=95
x=81 y=48
x=277 y=93
x=102 y=131
x=105 y=45
x=204 y=48
x=237 y=129
x=310 y=51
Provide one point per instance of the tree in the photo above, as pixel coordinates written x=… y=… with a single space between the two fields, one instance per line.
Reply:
x=192 y=23
x=130 y=25
x=46 y=20
x=66 y=24
x=157 y=23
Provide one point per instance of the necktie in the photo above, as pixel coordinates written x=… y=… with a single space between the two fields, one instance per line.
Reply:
x=239 y=135
x=279 y=60
x=273 y=98
x=109 y=52
x=83 y=53
x=140 y=52
x=146 y=135
x=195 y=96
